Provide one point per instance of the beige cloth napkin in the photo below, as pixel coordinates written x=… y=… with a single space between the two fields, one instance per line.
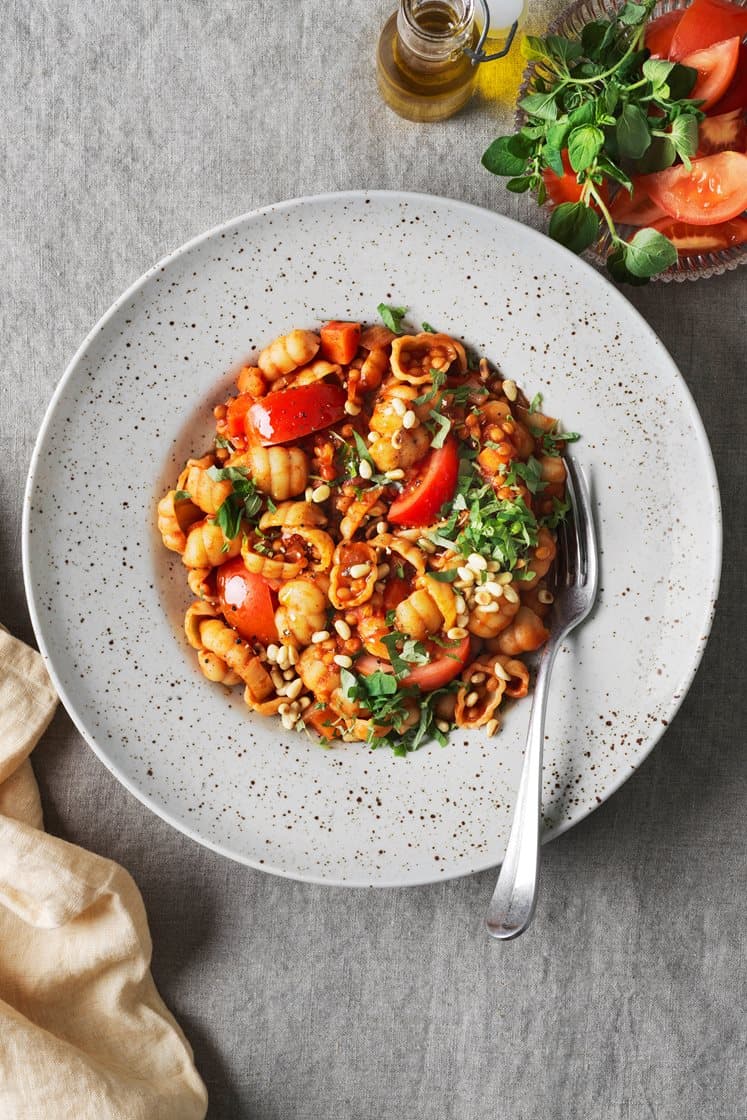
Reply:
x=83 y=1031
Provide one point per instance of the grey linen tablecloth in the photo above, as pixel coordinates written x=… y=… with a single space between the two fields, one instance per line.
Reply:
x=129 y=127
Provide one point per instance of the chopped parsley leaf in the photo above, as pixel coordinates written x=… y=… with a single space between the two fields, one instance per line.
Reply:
x=392 y=317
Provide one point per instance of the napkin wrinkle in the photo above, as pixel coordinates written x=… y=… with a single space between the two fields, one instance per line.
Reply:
x=85 y=1034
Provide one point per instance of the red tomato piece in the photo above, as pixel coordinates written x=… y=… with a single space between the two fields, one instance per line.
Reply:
x=563 y=188
x=725 y=133
x=659 y=33
x=637 y=209
x=736 y=95
x=339 y=341
x=691 y=240
x=246 y=601
x=566 y=188
x=425 y=677
x=395 y=592
x=433 y=485
x=707 y=22
x=713 y=191
x=716 y=66
x=289 y=414
x=236 y=414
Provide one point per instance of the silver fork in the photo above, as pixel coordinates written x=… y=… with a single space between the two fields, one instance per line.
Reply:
x=515 y=896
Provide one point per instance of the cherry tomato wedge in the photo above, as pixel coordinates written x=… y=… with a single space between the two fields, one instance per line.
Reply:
x=725 y=133
x=692 y=240
x=716 y=66
x=659 y=33
x=290 y=414
x=434 y=484
x=246 y=601
x=425 y=677
x=707 y=22
x=637 y=209
x=236 y=414
x=736 y=95
x=713 y=191
x=339 y=341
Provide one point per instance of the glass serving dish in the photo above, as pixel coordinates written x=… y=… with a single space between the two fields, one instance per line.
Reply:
x=697 y=267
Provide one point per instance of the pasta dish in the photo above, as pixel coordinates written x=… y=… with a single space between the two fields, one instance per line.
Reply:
x=370 y=540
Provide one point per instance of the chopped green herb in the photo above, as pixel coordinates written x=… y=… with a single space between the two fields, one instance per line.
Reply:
x=462 y=393
x=536 y=403
x=559 y=512
x=221 y=441
x=550 y=441
x=428 y=328
x=530 y=472
x=181 y=495
x=414 y=652
x=442 y=427
x=392 y=317
x=244 y=502
x=444 y=577
x=438 y=377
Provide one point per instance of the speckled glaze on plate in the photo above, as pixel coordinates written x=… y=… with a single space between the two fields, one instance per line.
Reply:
x=107 y=600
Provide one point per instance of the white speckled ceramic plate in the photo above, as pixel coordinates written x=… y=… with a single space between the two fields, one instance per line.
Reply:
x=107 y=600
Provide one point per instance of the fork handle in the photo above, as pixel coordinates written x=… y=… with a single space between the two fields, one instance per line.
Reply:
x=515 y=896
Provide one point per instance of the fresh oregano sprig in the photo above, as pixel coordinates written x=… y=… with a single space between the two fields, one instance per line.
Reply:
x=618 y=113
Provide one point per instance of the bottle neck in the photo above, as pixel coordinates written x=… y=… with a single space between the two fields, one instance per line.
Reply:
x=434 y=31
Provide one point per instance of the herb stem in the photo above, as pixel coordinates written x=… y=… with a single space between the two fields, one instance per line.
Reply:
x=604 y=211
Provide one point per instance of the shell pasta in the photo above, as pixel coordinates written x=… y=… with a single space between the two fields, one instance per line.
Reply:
x=371 y=540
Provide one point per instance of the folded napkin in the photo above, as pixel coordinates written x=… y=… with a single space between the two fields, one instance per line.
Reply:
x=83 y=1031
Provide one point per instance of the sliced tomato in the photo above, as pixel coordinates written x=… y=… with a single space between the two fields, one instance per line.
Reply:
x=339 y=341
x=736 y=95
x=691 y=240
x=433 y=485
x=638 y=209
x=246 y=601
x=716 y=66
x=659 y=33
x=236 y=414
x=725 y=133
x=565 y=188
x=712 y=191
x=562 y=188
x=290 y=414
x=707 y=22
x=425 y=677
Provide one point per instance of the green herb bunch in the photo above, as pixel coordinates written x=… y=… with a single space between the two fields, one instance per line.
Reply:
x=618 y=113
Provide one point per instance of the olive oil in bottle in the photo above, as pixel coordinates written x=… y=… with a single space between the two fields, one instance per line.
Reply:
x=423 y=71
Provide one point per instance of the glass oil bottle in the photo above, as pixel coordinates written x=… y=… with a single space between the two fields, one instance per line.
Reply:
x=428 y=55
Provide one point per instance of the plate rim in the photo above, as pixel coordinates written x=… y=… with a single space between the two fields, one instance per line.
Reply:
x=699 y=431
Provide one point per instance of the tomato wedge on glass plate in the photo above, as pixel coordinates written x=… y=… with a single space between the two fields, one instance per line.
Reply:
x=716 y=66
x=691 y=241
x=704 y=23
x=735 y=97
x=660 y=32
x=713 y=190
x=725 y=133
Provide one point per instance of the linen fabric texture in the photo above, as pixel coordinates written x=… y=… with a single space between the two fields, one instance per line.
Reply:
x=83 y=1031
